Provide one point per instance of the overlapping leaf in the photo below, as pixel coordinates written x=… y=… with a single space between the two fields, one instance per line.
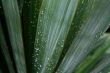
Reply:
x=29 y=19
x=102 y=65
x=95 y=25
x=95 y=56
x=54 y=21
x=57 y=34
x=5 y=51
x=11 y=12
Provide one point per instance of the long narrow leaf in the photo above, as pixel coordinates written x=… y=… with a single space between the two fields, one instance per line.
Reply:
x=3 y=63
x=93 y=58
x=103 y=64
x=81 y=14
x=54 y=21
x=30 y=18
x=0 y=70
x=98 y=21
x=5 y=51
x=20 y=4
x=106 y=69
x=14 y=27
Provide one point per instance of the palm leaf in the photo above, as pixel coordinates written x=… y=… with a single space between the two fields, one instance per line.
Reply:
x=5 y=51
x=15 y=34
x=57 y=35
x=20 y=4
x=0 y=70
x=95 y=56
x=103 y=64
x=50 y=35
x=95 y=25
x=106 y=69
x=54 y=21
x=29 y=19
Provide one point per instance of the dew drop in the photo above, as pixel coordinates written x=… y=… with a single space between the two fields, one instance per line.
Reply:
x=38 y=33
x=40 y=20
x=37 y=40
x=82 y=1
x=42 y=12
x=37 y=54
x=36 y=60
x=47 y=58
x=40 y=66
x=61 y=45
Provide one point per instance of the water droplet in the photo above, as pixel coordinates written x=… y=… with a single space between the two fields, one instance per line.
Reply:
x=40 y=20
x=82 y=1
x=40 y=66
x=42 y=12
x=45 y=8
x=36 y=49
x=31 y=22
x=35 y=65
x=33 y=26
x=37 y=40
x=36 y=60
x=38 y=33
x=61 y=45
x=47 y=58
x=34 y=16
x=37 y=54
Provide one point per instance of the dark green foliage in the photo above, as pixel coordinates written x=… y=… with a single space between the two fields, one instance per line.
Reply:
x=54 y=36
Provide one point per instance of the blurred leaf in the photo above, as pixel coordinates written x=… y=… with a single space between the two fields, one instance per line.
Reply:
x=108 y=51
x=106 y=69
x=3 y=64
x=20 y=4
x=0 y=71
x=95 y=56
x=14 y=28
x=98 y=21
x=105 y=62
x=5 y=51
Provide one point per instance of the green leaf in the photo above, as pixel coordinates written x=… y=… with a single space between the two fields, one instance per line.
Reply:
x=90 y=31
x=95 y=56
x=105 y=62
x=3 y=63
x=20 y=4
x=0 y=70
x=11 y=12
x=5 y=51
x=108 y=51
x=81 y=14
x=30 y=18
x=106 y=69
x=54 y=21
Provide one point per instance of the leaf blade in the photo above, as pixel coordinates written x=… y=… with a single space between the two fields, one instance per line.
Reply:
x=55 y=16
x=89 y=33
x=5 y=51
x=11 y=12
